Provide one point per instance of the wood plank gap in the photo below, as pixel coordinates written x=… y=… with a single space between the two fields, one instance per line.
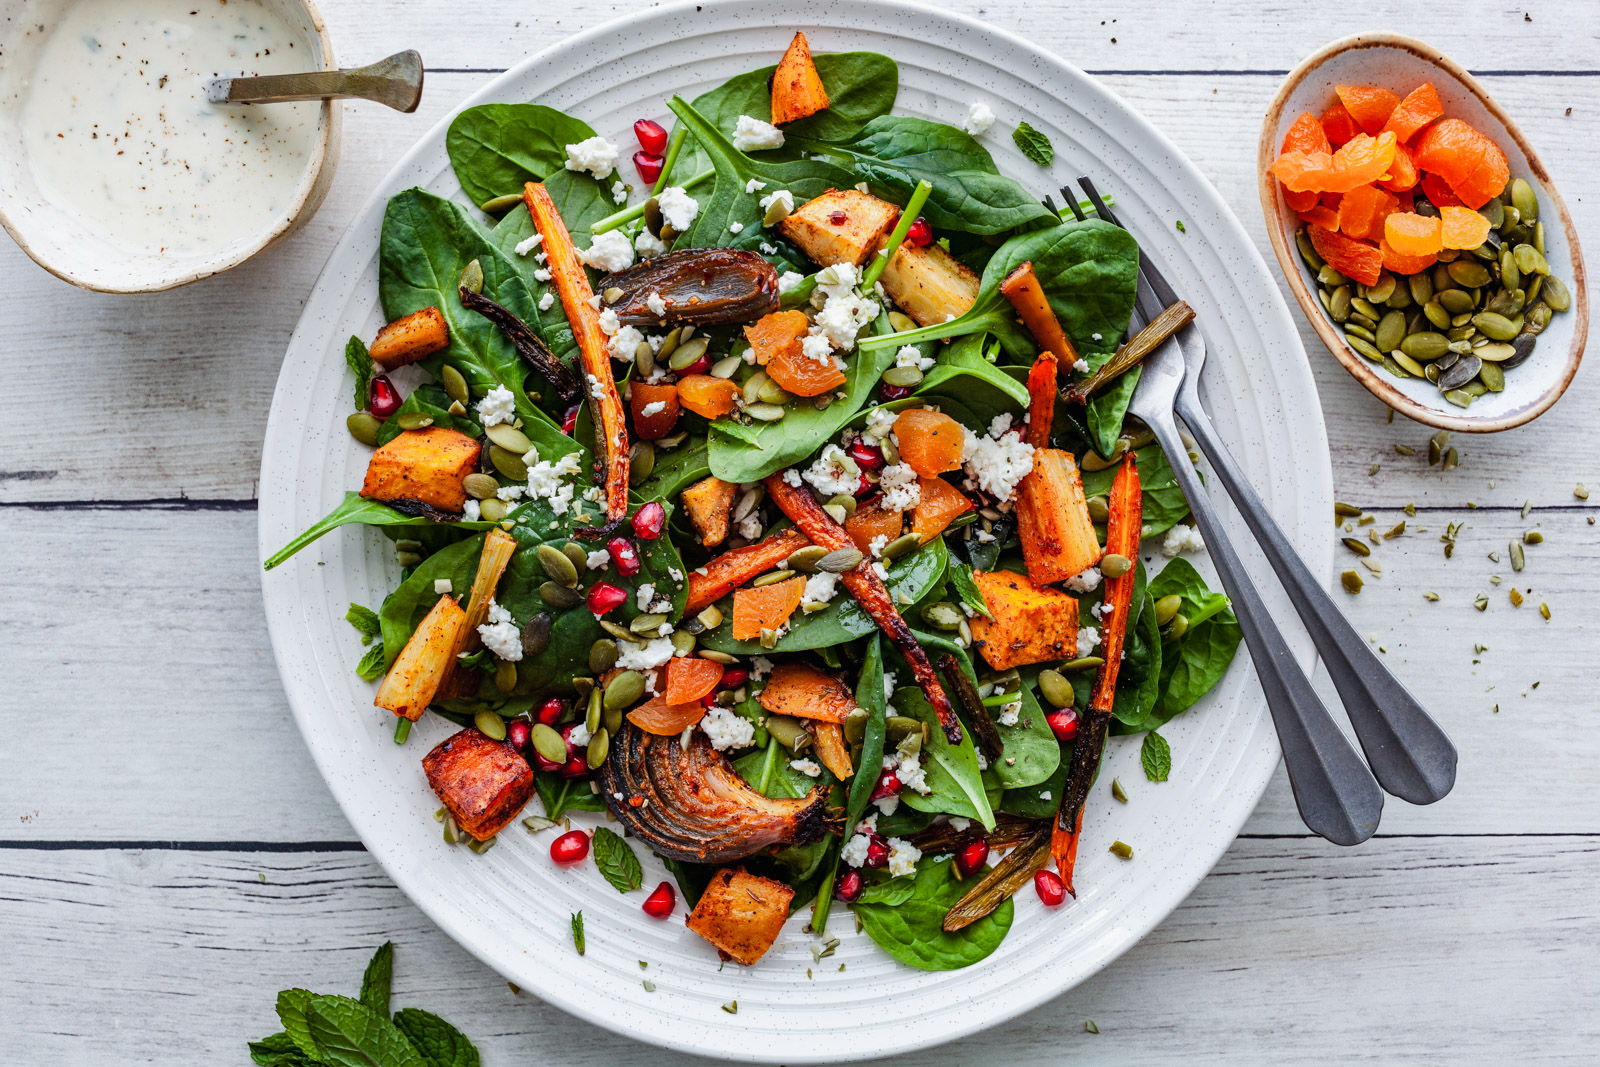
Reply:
x=182 y=846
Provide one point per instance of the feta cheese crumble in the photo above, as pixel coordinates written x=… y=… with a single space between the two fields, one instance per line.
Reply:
x=880 y=424
x=528 y=244
x=911 y=356
x=997 y=463
x=816 y=346
x=596 y=155
x=1085 y=581
x=789 y=280
x=782 y=196
x=1181 y=539
x=643 y=657
x=656 y=303
x=497 y=406
x=550 y=482
x=754 y=185
x=655 y=407
x=443 y=586
x=471 y=511
x=903 y=857
x=678 y=208
x=1088 y=640
x=501 y=634
x=735 y=227
x=833 y=473
x=806 y=767
x=609 y=323
x=580 y=735
x=901 y=489
x=619 y=193
x=980 y=117
x=854 y=851
x=648 y=244
x=547 y=301
x=624 y=343
x=724 y=729
x=599 y=558
x=610 y=251
x=541 y=275
x=753 y=135
x=820 y=588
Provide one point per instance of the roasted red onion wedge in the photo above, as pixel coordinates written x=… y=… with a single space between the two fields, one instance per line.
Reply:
x=695 y=287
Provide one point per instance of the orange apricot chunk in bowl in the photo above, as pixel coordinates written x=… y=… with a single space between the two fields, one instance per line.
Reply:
x=1352 y=258
x=1462 y=228
x=1412 y=234
x=1369 y=105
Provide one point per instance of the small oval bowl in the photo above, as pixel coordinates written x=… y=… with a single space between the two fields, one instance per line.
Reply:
x=1400 y=64
x=62 y=245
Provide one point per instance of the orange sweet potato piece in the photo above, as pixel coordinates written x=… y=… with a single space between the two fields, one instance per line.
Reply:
x=689 y=678
x=427 y=465
x=1363 y=209
x=930 y=441
x=732 y=569
x=766 y=608
x=870 y=522
x=776 y=340
x=1420 y=107
x=800 y=690
x=484 y=784
x=410 y=338
x=840 y=226
x=424 y=662
x=741 y=913
x=941 y=504
x=1053 y=523
x=1369 y=105
x=1031 y=623
x=1352 y=258
x=707 y=395
x=1412 y=235
x=831 y=749
x=797 y=89
x=658 y=424
x=709 y=503
x=656 y=716
x=1461 y=227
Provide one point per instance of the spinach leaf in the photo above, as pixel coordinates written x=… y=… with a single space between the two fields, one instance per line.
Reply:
x=1163 y=499
x=404 y=608
x=358 y=509
x=967 y=372
x=895 y=152
x=952 y=770
x=1155 y=755
x=1109 y=407
x=1031 y=752
x=1041 y=799
x=561 y=795
x=347 y=1033
x=378 y=978
x=871 y=699
x=961 y=581
x=1033 y=144
x=913 y=931
x=893 y=892
x=431 y=400
x=675 y=470
x=768 y=772
x=1193 y=664
x=616 y=862
x=441 y=1044
x=360 y=364
x=497 y=148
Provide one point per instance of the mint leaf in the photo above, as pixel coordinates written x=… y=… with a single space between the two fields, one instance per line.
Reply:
x=379 y=977
x=365 y=620
x=372 y=664
x=967 y=589
x=360 y=364
x=577 y=931
x=350 y=1034
x=279 y=1050
x=1033 y=144
x=441 y=1044
x=1156 y=755
x=292 y=1004
x=617 y=863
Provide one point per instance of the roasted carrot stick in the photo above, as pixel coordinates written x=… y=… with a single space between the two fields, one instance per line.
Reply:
x=1041 y=399
x=733 y=568
x=1122 y=538
x=864 y=584
x=1022 y=288
x=572 y=284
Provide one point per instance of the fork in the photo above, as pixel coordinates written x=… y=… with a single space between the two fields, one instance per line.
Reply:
x=1338 y=797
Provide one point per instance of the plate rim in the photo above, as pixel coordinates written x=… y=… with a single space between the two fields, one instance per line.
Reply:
x=1260 y=752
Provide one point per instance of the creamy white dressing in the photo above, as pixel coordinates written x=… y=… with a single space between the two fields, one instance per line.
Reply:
x=117 y=129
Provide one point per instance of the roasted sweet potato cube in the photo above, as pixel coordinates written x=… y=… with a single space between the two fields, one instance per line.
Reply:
x=428 y=465
x=424 y=663
x=796 y=86
x=410 y=338
x=1058 y=538
x=741 y=913
x=840 y=226
x=710 y=504
x=484 y=783
x=1031 y=623
x=929 y=283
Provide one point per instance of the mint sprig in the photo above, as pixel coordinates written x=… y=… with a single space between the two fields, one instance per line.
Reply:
x=1033 y=144
x=1156 y=756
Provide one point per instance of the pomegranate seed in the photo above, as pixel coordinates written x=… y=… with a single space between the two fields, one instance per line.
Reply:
x=551 y=710
x=571 y=847
x=851 y=886
x=659 y=904
x=517 y=734
x=566 y=735
x=865 y=486
x=1063 y=723
x=889 y=393
x=624 y=556
x=867 y=457
x=544 y=765
x=877 y=852
x=838 y=218
x=971 y=858
x=605 y=596
x=649 y=520
x=1048 y=885
x=383 y=399
x=888 y=786
x=652 y=136
x=648 y=165
x=570 y=419
x=733 y=678
x=576 y=767
x=920 y=234
x=699 y=366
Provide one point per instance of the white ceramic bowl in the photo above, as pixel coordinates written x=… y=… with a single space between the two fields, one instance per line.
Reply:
x=1401 y=64
x=511 y=907
x=64 y=245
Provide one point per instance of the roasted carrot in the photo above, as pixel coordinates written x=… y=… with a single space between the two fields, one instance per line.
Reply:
x=572 y=284
x=1122 y=537
x=1022 y=288
x=864 y=584
x=732 y=569
x=1041 y=399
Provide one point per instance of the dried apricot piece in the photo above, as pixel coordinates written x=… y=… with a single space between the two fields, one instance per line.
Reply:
x=1369 y=105
x=1352 y=258
x=1487 y=181
x=1461 y=227
x=1437 y=190
x=930 y=441
x=1412 y=235
x=765 y=608
x=708 y=396
x=1403 y=173
x=1303 y=171
x=1472 y=164
x=1326 y=217
x=1363 y=209
x=778 y=342
x=1338 y=126
x=1420 y=107
x=1306 y=135
x=1361 y=160
x=1301 y=201
x=1397 y=263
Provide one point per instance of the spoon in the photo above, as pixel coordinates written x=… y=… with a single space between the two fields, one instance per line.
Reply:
x=396 y=82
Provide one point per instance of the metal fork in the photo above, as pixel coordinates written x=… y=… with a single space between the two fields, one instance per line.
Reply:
x=1337 y=795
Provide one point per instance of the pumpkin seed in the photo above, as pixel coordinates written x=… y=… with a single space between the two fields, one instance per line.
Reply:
x=1176 y=628
x=1431 y=372
x=599 y=747
x=509 y=438
x=407 y=559
x=624 y=690
x=500 y=203
x=1442 y=281
x=1475 y=388
x=1459 y=399
x=494 y=510
x=557 y=566
x=648 y=624
x=689 y=353
x=481 y=486
x=905 y=377
x=1533 y=537
x=1354 y=328
x=1493 y=377
x=1495 y=352
x=1507 y=302
x=1114 y=566
x=805 y=559
x=769 y=638
x=471 y=277
x=1391 y=331
x=641 y=462
x=1055 y=688
x=547 y=743
x=1330 y=277
x=855 y=726
x=1351 y=580
x=903 y=545
x=603 y=655
x=840 y=560
x=594 y=712
x=1518 y=558
x=1421 y=286
x=621 y=633
x=1361 y=346
x=364 y=428
x=1380 y=292
x=771 y=578
x=1361 y=306
x=1425 y=346
x=773 y=393
x=413 y=420
x=490 y=725
x=1407 y=364
x=1529 y=261
x=666 y=444
x=1455 y=301
x=942 y=615
x=1308 y=251
x=1463 y=371
x=1556 y=295
x=1099 y=509
x=1322 y=295
x=583 y=686
x=559 y=596
x=901 y=322
x=1084 y=663
x=536 y=635
x=726 y=366
x=509 y=464
x=1523 y=198
x=1400 y=298
x=1494 y=326
x=505 y=677
x=835 y=512
x=683 y=642
x=455 y=386
x=789 y=732
x=644 y=360
x=1091 y=461
x=845 y=501
x=719 y=657
x=765 y=412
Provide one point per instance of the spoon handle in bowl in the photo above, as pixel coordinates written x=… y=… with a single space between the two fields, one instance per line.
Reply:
x=395 y=82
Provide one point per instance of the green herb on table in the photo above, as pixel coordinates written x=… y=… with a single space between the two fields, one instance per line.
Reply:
x=1035 y=145
x=1156 y=756
x=616 y=861
x=577 y=931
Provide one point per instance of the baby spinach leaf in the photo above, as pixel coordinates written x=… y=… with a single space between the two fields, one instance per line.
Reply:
x=358 y=509
x=1033 y=144
x=377 y=979
x=966 y=371
x=952 y=770
x=1163 y=499
x=431 y=400
x=1031 y=752
x=893 y=892
x=1109 y=407
x=561 y=795
x=913 y=931
x=441 y=1044
x=675 y=470
x=1155 y=755
x=871 y=699
x=350 y=1034
x=616 y=862
x=768 y=772
x=497 y=148
x=1193 y=664
x=360 y=364
x=1041 y=799
x=404 y=608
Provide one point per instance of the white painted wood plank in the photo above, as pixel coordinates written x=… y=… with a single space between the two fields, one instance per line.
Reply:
x=151 y=642
x=1447 y=950
x=179 y=383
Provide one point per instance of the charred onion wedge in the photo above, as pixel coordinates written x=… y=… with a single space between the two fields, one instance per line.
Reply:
x=698 y=286
x=1001 y=881
x=690 y=804
x=526 y=342
x=988 y=735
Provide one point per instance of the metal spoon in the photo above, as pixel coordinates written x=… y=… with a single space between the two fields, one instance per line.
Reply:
x=395 y=82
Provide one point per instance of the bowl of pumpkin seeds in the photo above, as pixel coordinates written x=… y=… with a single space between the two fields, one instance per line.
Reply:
x=1482 y=339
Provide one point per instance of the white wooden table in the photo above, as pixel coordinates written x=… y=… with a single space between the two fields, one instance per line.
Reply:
x=169 y=858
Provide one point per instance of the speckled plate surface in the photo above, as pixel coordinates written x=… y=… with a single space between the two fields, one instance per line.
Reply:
x=511 y=907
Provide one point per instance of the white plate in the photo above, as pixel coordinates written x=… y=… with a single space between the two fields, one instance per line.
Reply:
x=511 y=907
